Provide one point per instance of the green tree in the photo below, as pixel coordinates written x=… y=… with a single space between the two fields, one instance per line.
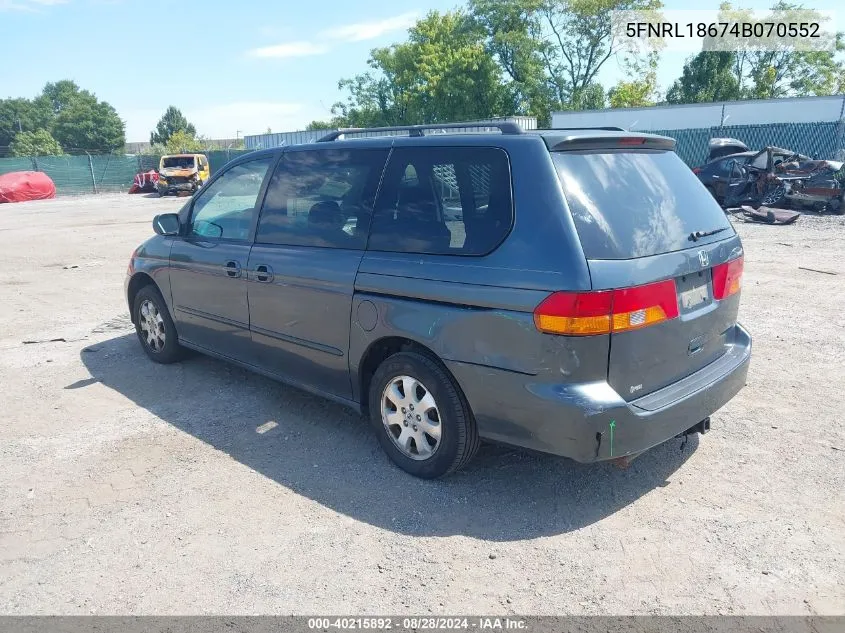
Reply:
x=514 y=38
x=21 y=115
x=74 y=117
x=579 y=40
x=84 y=125
x=62 y=94
x=331 y=124
x=171 y=122
x=641 y=89
x=708 y=76
x=442 y=73
x=37 y=143
x=764 y=70
x=182 y=141
x=553 y=50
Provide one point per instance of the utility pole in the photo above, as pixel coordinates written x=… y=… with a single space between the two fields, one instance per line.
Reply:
x=20 y=128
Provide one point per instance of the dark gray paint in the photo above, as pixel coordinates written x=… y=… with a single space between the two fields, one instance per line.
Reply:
x=300 y=319
x=315 y=321
x=210 y=307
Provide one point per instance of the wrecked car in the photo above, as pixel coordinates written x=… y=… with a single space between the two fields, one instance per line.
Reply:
x=721 y=147
x=182 y=173
x=777 y=177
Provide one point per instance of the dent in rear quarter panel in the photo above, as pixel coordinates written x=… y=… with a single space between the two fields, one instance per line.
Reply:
x=153 y=258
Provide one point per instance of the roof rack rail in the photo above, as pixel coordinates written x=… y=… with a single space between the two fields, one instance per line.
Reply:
x=607 y=128
x=506 y=127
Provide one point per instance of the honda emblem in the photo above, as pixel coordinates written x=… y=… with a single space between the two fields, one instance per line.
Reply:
x=703 y=259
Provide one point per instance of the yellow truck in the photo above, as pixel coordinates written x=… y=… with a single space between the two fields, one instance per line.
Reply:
x=182 y=172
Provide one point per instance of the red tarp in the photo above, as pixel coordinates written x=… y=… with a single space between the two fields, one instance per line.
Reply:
x=20 y=186
x=145 y=181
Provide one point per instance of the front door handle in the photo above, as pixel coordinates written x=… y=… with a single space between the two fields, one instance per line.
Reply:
x=233 y=269
x=263 y=273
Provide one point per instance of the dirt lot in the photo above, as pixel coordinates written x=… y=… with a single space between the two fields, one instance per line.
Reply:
x=127 y=487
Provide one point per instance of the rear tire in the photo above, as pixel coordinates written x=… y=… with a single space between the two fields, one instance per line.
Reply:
x=420 y=416
x=154 y=327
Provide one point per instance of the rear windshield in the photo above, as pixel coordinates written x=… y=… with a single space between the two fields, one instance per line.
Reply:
x=629 y=204
x=183 y=162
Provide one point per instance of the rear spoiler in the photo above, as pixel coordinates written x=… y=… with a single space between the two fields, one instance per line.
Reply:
x=566 y=143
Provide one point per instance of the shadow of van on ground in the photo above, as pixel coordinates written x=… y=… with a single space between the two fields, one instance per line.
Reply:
x=327 y=453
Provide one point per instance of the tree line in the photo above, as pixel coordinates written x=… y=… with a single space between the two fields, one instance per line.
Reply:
x=63 y=118
x=534 y=57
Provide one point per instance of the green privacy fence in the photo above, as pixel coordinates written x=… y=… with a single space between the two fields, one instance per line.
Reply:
x=816 y=140
x=99 y=173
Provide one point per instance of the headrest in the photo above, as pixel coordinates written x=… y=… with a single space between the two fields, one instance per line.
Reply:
x=326 y=212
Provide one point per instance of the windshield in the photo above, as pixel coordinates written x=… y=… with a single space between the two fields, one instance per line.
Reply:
x=181 y=162
x=629 y=204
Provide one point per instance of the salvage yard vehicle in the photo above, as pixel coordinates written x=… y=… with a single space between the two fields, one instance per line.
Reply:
x=182 y=172
x=776 y=177
x=721 y=147
x=582 y=302
x=716 y=174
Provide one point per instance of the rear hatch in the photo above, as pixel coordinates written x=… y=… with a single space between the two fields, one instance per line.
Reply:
x=661 y=253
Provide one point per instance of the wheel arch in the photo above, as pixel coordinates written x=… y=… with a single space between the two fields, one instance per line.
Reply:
x=139 y=280
x=383 y=348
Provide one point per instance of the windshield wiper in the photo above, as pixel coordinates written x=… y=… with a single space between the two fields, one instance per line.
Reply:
x=697 y=235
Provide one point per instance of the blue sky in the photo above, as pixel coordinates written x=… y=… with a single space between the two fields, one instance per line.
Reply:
x=251 y=65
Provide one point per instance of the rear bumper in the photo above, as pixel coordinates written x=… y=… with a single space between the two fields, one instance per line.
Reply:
x=591 y=422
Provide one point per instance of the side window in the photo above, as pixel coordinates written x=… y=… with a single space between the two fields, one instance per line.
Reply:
x=443 y=200
x=224 y=209
x=322 y=198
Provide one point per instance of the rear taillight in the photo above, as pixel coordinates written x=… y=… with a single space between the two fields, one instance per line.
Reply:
x=696 y=170
x=606 y=311
x=727 y=279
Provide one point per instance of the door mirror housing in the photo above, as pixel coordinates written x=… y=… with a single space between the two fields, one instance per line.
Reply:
x=166 y=224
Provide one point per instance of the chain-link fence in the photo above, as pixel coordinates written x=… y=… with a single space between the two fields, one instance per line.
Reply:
x=79 y=174
x=817 y=140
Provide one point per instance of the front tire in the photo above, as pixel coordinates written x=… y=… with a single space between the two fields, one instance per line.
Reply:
x=774 y=198
x=154 y=327
x=421 y=418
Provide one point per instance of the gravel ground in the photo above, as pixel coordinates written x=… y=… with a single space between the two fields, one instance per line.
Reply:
x=132 y=488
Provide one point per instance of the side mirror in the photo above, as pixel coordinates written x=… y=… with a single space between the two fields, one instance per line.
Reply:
x=166 y=224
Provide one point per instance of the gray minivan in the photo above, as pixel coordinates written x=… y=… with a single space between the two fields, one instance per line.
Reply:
x=568 y=291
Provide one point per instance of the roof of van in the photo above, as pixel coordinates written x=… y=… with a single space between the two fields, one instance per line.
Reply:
x=555 y=139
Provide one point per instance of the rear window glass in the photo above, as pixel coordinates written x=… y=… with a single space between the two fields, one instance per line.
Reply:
x=629 y=204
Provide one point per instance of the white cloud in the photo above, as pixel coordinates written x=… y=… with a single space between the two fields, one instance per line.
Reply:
x=358 y=32
x=290 y=49
x=28 y=6
x=371 y=30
